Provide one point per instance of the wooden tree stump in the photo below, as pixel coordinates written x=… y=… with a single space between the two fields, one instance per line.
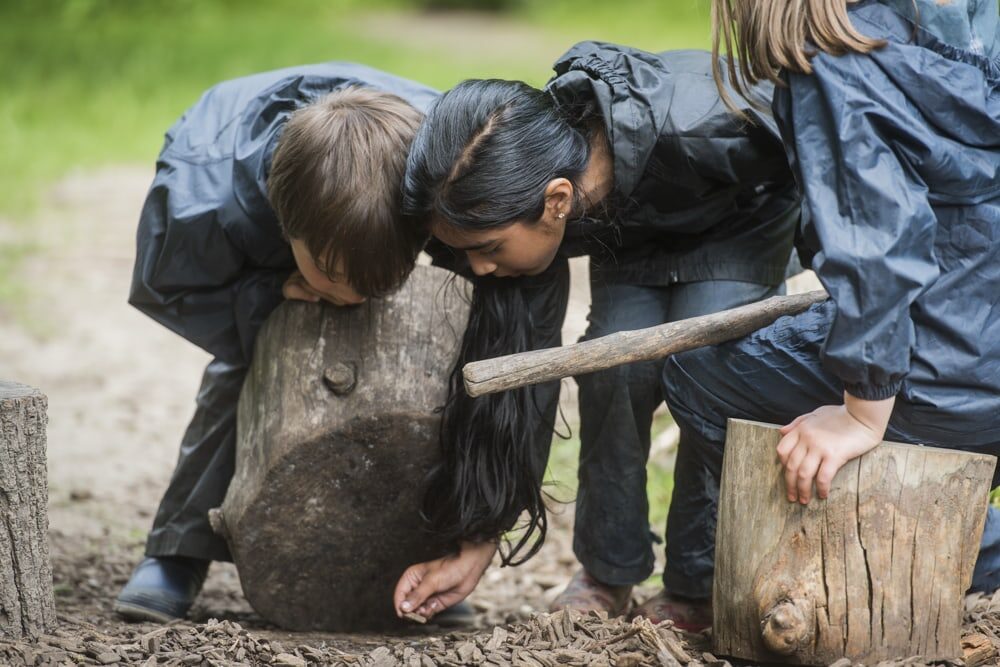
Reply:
x=337 y=429
x=878 y=570
x=27 y=607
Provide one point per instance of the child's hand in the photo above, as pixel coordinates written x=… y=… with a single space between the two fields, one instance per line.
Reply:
x=816 y=445
x=298 y=289
x=430 y=588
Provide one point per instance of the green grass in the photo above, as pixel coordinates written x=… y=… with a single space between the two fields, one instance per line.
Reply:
x=561 y=476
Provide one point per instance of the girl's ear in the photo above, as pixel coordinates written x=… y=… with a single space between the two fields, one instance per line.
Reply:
x=558 y=201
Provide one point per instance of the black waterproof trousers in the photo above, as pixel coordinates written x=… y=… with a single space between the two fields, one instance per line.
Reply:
x=612 y=538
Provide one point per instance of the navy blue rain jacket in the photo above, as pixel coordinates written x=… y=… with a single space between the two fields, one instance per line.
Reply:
x=898 y=155
x=704 y=195
x=211 y=259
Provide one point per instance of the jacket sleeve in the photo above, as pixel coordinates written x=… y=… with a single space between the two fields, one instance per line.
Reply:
x=853 y=141
x=189 y=274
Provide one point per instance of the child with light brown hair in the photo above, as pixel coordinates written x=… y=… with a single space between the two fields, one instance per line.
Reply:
x=280 y=185
x=890 y=115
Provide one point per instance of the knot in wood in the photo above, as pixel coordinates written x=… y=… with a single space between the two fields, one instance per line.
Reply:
x=784 y=628
x=340 y=378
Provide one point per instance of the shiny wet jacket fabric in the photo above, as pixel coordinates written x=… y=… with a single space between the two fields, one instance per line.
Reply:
x=210 y=258
x=898 y=156
x=702 y=194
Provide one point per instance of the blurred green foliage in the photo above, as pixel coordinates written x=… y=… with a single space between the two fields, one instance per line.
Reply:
x=87 y=82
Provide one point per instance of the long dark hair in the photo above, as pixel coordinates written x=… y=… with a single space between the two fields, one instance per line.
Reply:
x=482 y=159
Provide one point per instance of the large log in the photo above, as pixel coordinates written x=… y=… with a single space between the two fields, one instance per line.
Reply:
x=337 y=428
x=878 y=570
x=624 y=347
x=27 y=606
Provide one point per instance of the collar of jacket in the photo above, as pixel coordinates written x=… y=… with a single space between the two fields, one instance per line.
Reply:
x=632 y=92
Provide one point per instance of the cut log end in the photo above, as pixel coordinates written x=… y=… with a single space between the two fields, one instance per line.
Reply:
x=336 y=431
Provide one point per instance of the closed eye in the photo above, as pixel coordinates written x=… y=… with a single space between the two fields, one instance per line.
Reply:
x=492 y=251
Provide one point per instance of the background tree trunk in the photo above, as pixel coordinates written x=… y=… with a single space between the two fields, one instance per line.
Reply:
x=27 y=607
x=876 y=571
x=337 y=430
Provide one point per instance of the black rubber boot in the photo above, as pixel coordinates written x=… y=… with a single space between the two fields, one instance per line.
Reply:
x=162 y=589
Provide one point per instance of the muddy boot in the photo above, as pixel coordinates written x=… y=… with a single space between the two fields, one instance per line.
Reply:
x=162 y=589
x=687 y=614
x=583 y=593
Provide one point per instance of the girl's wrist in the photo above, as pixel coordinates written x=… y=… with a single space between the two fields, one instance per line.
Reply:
x=873 y=415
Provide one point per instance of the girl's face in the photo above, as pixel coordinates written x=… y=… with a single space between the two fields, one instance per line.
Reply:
x=522 y=248
x=519 y=249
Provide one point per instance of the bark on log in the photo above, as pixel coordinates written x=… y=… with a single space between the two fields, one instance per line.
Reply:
x=527 y=368
x=336 y=431
x=878 y=570
x=27 y=606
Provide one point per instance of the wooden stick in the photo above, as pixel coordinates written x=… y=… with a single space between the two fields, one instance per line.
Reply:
x=526 y=368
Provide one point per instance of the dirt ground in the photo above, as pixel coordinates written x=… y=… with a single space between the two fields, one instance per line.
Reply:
x=121 y=390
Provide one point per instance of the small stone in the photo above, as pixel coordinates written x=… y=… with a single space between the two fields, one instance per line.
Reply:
x=415 y=617
x=288 y=660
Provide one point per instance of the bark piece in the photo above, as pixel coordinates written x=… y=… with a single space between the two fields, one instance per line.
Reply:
x=978 y=650
x=876 y=571
x=337 y=429
x=27 y=604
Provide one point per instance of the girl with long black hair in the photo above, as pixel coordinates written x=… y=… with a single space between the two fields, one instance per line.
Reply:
x=684 y=208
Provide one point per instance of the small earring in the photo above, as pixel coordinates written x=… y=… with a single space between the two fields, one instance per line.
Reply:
x=562 y=215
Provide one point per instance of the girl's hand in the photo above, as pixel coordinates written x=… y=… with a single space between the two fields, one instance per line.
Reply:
x=298 y=289
x=430 y=588
x=816 y=445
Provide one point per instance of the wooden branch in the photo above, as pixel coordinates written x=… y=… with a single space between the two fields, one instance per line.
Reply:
x=527 y=368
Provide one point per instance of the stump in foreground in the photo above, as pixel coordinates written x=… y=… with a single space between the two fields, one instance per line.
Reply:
x=336 y=431
x=27 y=607
x=876 y=571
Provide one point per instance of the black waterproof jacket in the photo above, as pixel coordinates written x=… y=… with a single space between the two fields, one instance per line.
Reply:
x=210 y=257
x=706 y=195
x=898 y=156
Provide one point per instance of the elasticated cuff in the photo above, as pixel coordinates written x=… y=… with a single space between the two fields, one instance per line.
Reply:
x=873 y=392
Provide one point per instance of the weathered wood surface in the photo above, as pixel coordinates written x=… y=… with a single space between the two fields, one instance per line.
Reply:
x=336 y=431
x=877 y=570
x=527 y=368
x=27 y=606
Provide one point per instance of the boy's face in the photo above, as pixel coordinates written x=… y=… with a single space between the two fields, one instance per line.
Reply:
x=337 y=291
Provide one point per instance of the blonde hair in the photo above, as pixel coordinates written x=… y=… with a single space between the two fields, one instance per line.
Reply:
x=335 y=184
x=765 y=36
